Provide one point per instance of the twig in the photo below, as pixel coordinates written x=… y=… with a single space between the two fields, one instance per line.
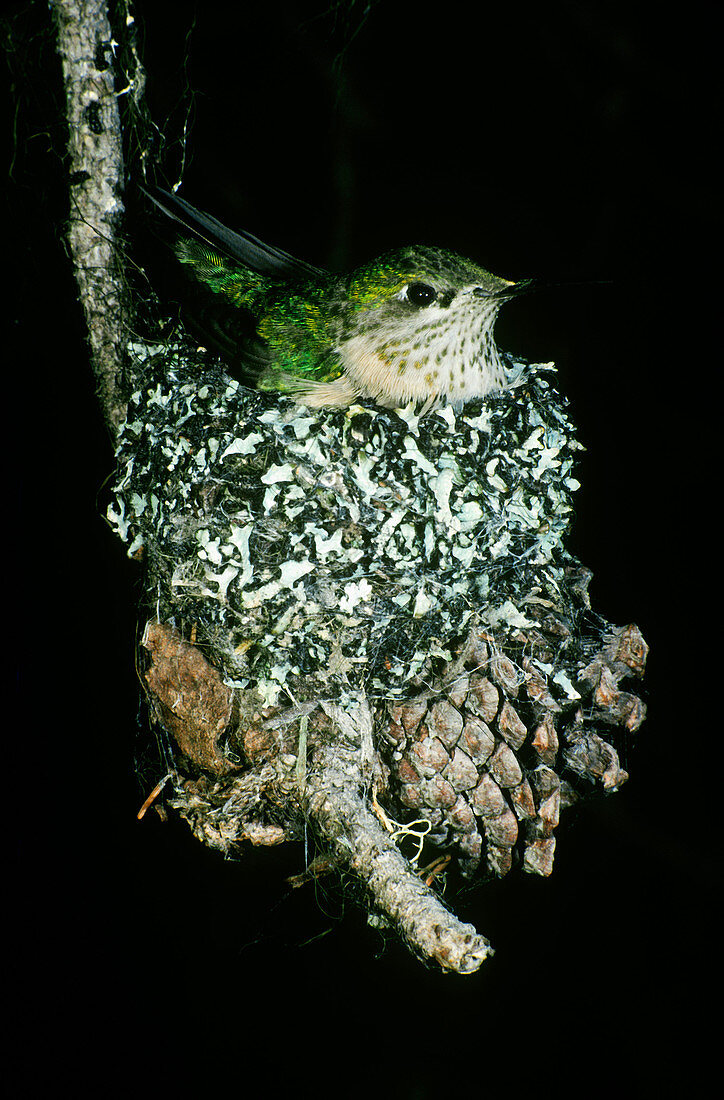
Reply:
x=336 y=803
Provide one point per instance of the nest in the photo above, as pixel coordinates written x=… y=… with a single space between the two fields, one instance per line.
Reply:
x=377 y=596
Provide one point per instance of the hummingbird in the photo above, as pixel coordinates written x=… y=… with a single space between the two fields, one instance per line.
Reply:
x=414 y=325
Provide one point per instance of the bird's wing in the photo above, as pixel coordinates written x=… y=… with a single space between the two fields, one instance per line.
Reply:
x=246 y=249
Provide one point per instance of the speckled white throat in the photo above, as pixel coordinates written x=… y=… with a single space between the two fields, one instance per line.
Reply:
x=438 y=354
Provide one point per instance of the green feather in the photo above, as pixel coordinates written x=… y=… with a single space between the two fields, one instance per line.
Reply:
x=223 y=276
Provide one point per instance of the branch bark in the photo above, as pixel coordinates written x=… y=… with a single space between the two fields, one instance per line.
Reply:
x=95 y=163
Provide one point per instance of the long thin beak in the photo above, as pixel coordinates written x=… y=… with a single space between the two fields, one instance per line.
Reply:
x=512 y=290
x=523 y=286
x=532 y=286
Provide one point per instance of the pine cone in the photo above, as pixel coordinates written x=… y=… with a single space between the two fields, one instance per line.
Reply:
x=490 y=762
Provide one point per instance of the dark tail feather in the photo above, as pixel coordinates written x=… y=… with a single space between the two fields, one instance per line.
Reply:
x=242 y=247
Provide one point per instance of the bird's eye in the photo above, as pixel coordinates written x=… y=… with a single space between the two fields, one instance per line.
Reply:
x=420 y=294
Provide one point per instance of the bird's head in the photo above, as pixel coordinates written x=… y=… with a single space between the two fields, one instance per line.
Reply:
x=418 y=325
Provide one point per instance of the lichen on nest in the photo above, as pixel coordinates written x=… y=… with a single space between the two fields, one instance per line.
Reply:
x=324 y=551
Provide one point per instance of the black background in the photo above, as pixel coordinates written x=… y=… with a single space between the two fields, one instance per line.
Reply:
x=568 y=141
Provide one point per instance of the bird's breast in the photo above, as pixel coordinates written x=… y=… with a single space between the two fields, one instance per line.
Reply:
x=455 y=368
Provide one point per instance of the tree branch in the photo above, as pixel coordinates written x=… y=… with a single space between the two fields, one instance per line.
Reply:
x=95 y=154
